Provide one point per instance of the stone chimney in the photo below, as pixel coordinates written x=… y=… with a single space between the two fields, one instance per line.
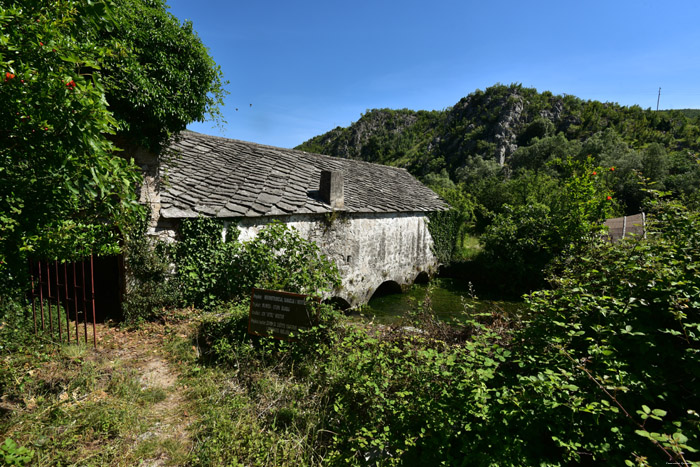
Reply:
x=331 y=189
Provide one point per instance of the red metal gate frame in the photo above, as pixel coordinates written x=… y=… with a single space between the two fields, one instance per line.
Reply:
x=46 y=288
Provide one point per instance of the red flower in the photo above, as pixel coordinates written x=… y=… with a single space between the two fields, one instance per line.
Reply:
x=612 y=169
x=595 y=173
x=609 y=198
x=8 y=76
x=41 y=44
x=70 y=84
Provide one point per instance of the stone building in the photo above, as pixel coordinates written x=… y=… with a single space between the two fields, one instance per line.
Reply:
x=370 y=219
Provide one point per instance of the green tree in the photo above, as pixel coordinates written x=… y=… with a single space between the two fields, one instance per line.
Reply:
x=158 y=76
x=80 y=78
x=541 y=151
x=524 y=237
x=655 y=163
x=62 y=191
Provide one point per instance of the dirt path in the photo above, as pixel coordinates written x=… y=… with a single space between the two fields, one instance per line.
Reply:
x=165 y=439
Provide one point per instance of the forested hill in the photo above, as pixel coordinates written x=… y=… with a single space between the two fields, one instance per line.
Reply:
x=513 y=126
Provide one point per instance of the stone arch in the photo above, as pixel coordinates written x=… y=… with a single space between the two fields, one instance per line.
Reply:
x=386 y=288
x=338 y=302
x=422 y=278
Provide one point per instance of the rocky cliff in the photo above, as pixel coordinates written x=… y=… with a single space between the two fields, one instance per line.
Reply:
x=492 y=125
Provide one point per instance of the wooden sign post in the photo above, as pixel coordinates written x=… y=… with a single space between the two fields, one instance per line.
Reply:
x=277 y=314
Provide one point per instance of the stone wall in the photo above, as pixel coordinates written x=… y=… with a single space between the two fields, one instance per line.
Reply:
x=369 y=249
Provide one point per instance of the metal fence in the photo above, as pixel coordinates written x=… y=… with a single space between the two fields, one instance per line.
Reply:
x=63 y=295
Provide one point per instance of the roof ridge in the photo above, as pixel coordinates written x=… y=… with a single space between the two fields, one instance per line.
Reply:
x=297 y=151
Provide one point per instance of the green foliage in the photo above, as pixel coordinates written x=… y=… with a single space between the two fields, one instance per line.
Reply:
x=540 y=152
x=525 y=237
x=151 y=291
x=410 y=399
x=477 y=169
x=172 y=79
x=520 y=242
x=76 y=77
x=450 y=229
x=444 y=228
x=16 y=325
x=62 y=192
x=224 y=336
x=275 y=415
x=211 y=269
x=279 y=258
x=617 y=335
x=12 y=454
x=203 y=261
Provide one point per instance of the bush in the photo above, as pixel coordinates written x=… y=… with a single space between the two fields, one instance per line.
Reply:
x=203 y=262
x=211 y=269
x=16 y=332
x=279 y=258
x=223 y=336
x=410 y=399
x=150 y=289
x=610 y=356
x=525 y=237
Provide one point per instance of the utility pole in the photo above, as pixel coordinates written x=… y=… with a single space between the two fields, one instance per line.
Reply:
x=657 y=100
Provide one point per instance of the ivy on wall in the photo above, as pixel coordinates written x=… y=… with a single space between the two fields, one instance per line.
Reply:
x=444 y=227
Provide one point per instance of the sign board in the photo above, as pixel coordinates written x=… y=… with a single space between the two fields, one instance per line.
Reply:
x=277 y=314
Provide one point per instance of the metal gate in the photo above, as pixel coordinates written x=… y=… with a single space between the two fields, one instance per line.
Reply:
x=63 y=295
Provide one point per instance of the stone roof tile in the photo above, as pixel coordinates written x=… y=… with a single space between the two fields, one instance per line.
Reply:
x=230 y=178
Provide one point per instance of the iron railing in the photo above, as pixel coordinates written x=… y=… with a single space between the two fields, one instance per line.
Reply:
x=63 y=295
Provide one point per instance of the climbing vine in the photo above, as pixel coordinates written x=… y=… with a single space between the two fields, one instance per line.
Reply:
x=444 y=227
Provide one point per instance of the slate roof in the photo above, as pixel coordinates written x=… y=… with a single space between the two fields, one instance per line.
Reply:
x=220 y=177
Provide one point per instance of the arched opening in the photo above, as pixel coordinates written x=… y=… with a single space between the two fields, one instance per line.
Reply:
x=422 y=278
x=338 y=303
x=386 y=288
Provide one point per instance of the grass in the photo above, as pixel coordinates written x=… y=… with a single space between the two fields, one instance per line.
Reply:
x=70 y=405
x=468 y=248
x=72 y=412
x=199 y=391
x=250 y=412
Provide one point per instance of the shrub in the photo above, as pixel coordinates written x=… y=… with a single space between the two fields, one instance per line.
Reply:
x=150 y=289
x=211 y=269
x=203 y=261
x=279 y=258
x=610 y=355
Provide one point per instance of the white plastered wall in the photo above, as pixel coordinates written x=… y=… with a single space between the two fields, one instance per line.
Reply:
x=369 y=249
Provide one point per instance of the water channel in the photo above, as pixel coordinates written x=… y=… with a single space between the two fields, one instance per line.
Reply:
x=451 y=300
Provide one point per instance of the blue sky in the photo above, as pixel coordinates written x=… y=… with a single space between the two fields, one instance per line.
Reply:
x=309 y=66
